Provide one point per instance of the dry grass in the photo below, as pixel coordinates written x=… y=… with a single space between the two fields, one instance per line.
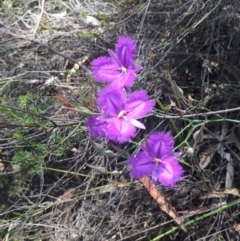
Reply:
x=194 y=43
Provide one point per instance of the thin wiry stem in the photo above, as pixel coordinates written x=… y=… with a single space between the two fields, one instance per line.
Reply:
x=198 y=114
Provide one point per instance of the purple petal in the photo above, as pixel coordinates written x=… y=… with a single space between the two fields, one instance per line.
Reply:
x=120 y=130
x=141 y=165
x=112 y=100
x=138 y=105
x=105 y=70
x=137 y=68
x=155 y=174
x=115 y=58
x=127 y=79
x=169 y=172
x=159 y=144
x=171 y=155
x=96 y=127
x=126 y=49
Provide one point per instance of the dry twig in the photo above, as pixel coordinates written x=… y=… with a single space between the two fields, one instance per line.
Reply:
x=39 y=18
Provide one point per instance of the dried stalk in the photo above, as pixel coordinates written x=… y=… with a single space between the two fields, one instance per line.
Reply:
x=162 y=201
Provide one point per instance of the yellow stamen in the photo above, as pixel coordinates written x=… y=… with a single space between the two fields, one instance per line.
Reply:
x=124 y=70
x=157 y=160
x=121 y=114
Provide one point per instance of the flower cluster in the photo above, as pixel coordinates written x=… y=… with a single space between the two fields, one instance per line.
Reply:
x=158 y=160
x=120 y=111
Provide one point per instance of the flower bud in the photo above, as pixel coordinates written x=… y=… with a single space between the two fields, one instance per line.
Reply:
x=190 y=151
x=198 y=135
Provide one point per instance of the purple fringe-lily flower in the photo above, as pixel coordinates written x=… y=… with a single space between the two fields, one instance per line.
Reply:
x=119 y=67
x=119 y=114
x=158 y=160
